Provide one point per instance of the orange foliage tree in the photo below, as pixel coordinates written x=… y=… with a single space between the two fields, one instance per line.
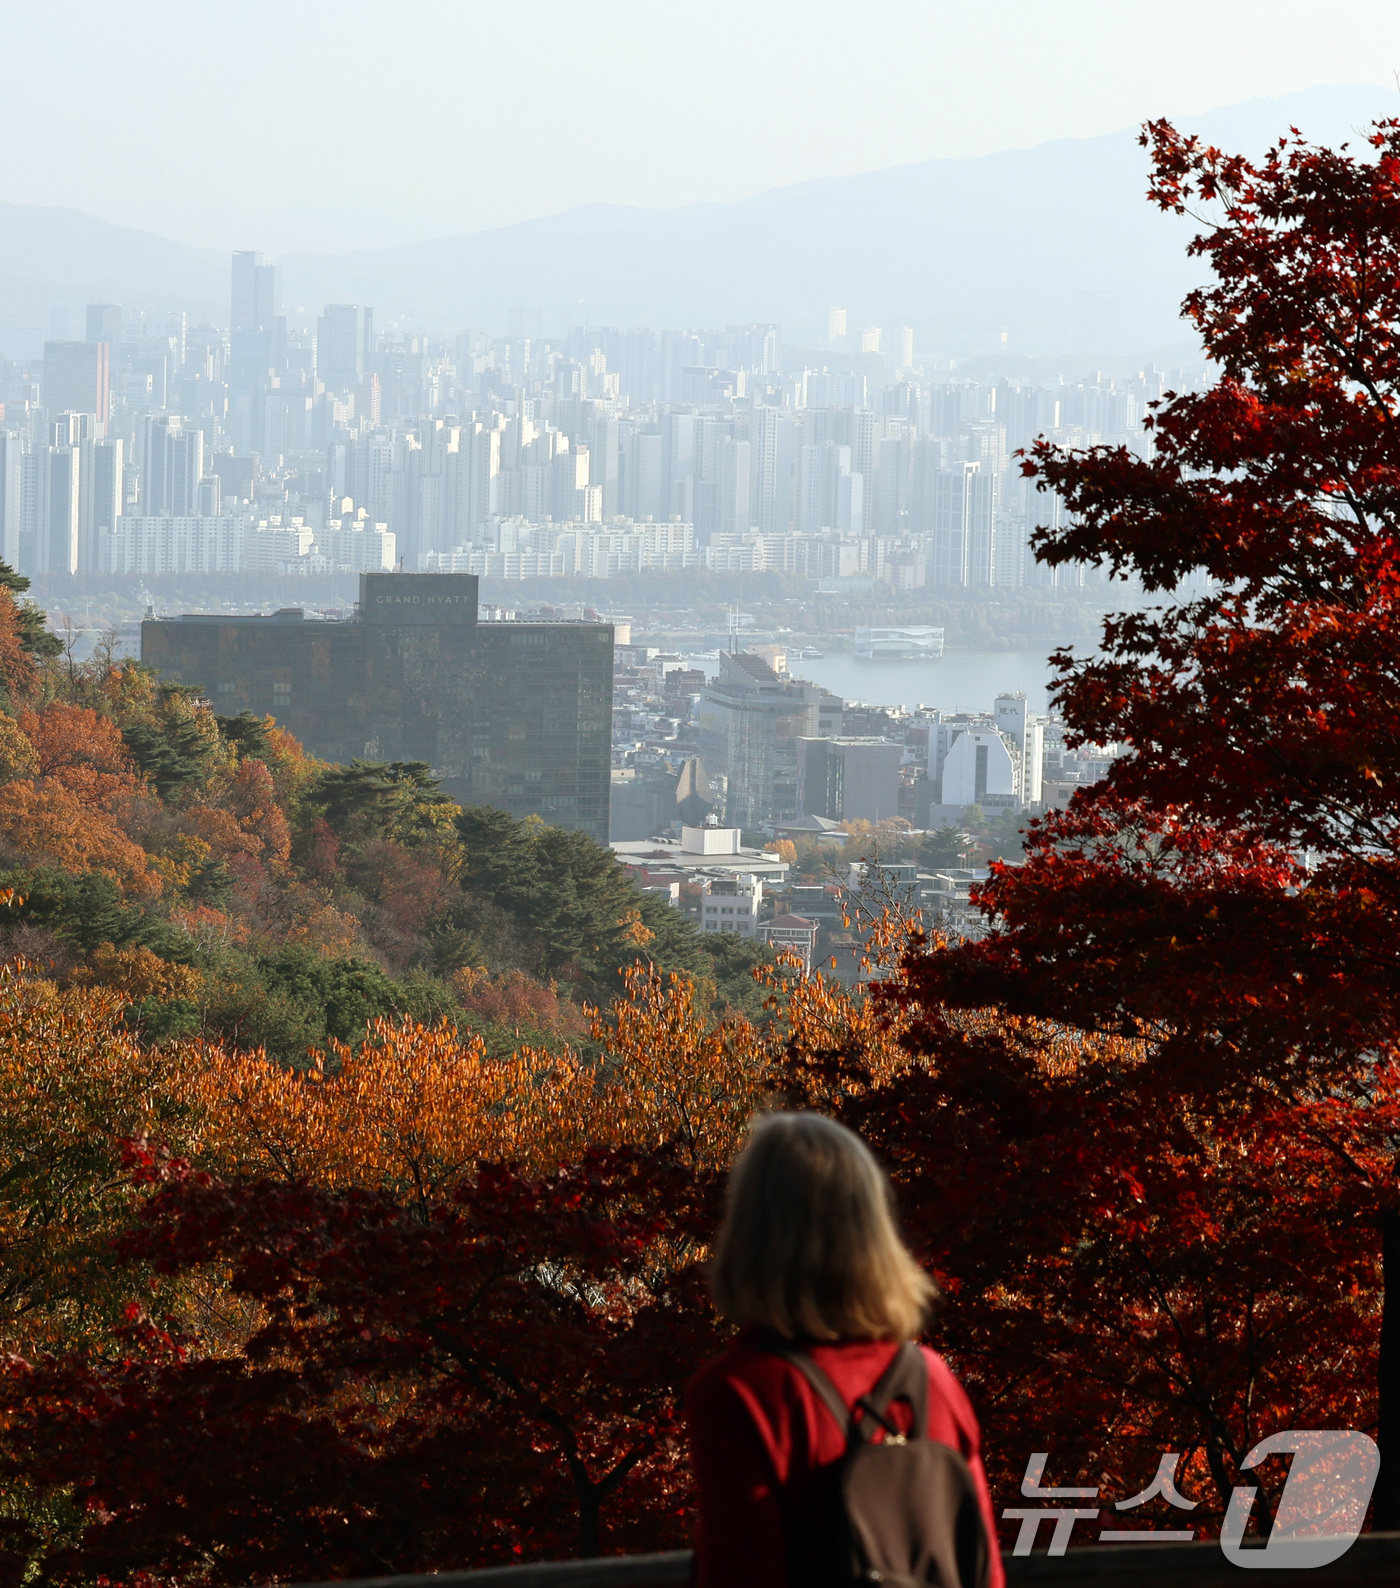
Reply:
x=19 y=677
x=412 y=1111
x=72 y=783
x=81 y=752
x=55 y=827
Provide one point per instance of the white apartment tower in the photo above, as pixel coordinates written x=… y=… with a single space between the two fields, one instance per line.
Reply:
x=1026 y=730
x=964 y=523
x=11 y=477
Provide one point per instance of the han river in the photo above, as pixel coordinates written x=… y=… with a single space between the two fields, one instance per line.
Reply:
x=958 y=681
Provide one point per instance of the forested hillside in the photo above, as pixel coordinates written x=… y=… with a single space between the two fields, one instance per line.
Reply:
x=234 y=887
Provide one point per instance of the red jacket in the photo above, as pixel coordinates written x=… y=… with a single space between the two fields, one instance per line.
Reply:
x=767 y=1455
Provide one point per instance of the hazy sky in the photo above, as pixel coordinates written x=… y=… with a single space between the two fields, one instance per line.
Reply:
x=302 y=124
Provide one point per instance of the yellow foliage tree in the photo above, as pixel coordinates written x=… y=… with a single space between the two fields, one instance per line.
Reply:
x=135 y=972
x=73 y=1084
x=415 y=1107
x=17 y=755
x=672 y=1075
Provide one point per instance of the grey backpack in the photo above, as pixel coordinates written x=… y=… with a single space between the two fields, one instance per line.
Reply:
x=909 y=1513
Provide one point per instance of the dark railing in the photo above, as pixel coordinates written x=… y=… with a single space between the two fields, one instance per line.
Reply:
x=608 y=1571
x=1370 y=1562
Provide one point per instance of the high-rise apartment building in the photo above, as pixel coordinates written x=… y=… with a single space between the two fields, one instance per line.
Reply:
x=888 y=506
x=603 y=449
x=825 y=488
x=864 y=439
x=571 y=486
x=811 y=493
x=343 y=345
x=172 y=466
x=33 y=461
x=966 y=498
x=644 y=493
x=770 y=447
x=734 y=487
x=850 y=504
x=59 y=507
x=514 y=715
x=104 y=469
x=984 y=441
x=77 y=379
x=11 y=480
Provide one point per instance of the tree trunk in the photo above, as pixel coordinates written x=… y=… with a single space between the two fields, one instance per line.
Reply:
x=589 y=1531
x=1385 y=1515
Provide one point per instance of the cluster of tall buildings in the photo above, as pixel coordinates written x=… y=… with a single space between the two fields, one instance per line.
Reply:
x=784 y=750
x=761 y=749
x=585 y=454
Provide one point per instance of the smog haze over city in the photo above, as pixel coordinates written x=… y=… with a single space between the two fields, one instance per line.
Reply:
x=710 y=323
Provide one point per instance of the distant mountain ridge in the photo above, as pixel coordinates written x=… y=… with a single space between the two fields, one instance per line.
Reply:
x=60 y=257
x=1052 y=246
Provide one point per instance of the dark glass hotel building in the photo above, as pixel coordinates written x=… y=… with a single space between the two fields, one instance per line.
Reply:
x=516 y=715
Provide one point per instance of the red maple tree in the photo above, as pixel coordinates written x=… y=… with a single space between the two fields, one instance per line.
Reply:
x=1229 y=896
x=490 y=1376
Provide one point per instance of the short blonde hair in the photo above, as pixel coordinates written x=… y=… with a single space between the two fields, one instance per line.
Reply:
x=809 y=1247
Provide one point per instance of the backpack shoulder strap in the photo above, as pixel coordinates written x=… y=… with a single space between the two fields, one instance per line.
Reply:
x=906 y=1378
x=825 y=1391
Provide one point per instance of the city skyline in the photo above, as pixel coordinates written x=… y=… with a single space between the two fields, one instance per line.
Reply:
x=165 y=447
x=988 y=254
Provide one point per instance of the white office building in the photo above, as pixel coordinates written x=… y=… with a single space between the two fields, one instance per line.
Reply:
x=731 y=904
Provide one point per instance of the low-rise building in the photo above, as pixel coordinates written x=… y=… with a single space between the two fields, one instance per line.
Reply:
x=668 y=890
x=946 y=896
x=848 y=779
x=822 y=903
x=982 y=769
x=731 y=904
x=792 y=934
x=701 y=852
x=823 y=828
